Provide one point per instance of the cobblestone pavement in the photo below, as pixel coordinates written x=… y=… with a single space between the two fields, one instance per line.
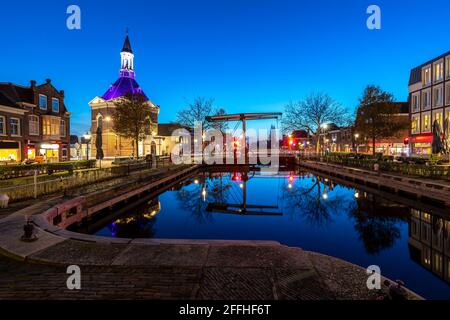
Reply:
x=328 y=279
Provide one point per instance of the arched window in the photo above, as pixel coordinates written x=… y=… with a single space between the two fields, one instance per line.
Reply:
x=99 y=121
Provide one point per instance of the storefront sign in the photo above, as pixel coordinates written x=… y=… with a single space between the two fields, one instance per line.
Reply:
x=50 y=146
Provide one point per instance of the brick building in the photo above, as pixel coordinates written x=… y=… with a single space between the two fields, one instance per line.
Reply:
x=102 y=109
x=34 y=123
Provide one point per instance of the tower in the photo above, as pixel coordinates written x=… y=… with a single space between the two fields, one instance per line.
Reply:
x=127 y=60
x=103 y=108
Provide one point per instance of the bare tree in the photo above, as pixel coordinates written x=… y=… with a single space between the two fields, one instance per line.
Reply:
x=197 y=111
x=312 y=113
x=131 y=118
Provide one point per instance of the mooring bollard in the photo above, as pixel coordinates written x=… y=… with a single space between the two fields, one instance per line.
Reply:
x=28 y=232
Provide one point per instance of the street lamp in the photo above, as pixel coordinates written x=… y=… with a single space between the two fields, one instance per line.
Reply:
x=356 y=139
x=87 y=138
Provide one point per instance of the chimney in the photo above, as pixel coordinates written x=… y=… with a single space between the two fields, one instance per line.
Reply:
x=61 y=93
x=33 y=84
x=49 y=81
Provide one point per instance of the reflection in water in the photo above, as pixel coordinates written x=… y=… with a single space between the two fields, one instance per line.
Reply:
x=429 y=242
x=313 y=199
x=377 y=221
x=195 y=197
x=304 y=210
x=139 y=224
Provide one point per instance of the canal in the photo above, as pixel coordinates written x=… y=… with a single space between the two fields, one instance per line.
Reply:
x=300 y=209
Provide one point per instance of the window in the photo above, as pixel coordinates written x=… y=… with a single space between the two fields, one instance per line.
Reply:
x=426 y=125
x=55 y=105
x=437 y=262
x=51 y=126
x=415 y=102
x=426 y=76
x=438 y=116
x=426 y=100
x=447 y=94
x=43 y=102
x=447 y=63
x=15 y=126
x=33 y=122
x=2 y=125
x=62 y=128
x=99 y=121
x=439 y=71
x=438 y=96
x=415 y=124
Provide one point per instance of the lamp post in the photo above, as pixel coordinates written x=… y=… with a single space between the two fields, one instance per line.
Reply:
x=87 y=138
x=356 y=141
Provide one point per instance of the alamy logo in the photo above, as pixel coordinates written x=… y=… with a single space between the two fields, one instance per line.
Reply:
x=74 y=280
x=374 y=20
x=374 y=279
x=73 y=21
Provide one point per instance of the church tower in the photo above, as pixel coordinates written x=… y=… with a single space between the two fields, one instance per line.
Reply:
x=127 y=59
x=102 y=109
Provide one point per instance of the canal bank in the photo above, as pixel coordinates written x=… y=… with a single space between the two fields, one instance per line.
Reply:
x=425 y=190
x=165 y=268
x=172 y=269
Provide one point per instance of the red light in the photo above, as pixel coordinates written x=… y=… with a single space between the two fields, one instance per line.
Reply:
x=406 y=141
x=235 y=177
x=291 y=178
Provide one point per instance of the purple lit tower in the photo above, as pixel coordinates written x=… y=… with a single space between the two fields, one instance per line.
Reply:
x=103 y=107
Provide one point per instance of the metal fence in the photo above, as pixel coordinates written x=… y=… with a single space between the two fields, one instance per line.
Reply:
x=77 y=179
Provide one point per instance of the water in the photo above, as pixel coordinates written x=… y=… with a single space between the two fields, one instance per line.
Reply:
x=302 y=210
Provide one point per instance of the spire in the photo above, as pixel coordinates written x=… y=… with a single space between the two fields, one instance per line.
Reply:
x=127 y=59
x=126 y=44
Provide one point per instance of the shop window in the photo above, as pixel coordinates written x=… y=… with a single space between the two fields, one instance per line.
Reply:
x=15 y=126
x=9 y=151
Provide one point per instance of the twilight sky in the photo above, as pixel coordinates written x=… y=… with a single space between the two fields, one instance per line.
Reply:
x=250 y=55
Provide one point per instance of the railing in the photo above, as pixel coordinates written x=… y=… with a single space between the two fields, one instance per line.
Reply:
x=77 y=179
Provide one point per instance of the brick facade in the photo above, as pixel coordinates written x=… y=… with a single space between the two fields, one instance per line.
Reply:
x=30 y=128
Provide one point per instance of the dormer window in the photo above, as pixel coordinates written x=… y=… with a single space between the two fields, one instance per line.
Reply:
x=43 y=102
x=55 y=105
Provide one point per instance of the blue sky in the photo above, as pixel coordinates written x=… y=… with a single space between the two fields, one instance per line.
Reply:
x=250 y=55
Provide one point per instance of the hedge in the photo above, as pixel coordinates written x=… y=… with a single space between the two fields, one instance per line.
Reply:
x=410 y=166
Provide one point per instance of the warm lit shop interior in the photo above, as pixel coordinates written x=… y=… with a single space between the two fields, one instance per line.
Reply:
x=9 y=151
